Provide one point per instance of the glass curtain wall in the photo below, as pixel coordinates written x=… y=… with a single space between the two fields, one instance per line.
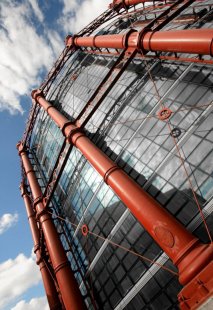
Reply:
x=117 y=260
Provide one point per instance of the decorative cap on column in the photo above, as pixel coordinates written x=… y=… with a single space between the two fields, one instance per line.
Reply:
x=39 y=258
x=23 y=189
x=69 y=41
x=20 y=147
x=117 y=5
x=36 y=93
x=114 y=3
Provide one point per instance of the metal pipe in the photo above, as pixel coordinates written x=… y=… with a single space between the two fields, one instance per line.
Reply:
x=49 y=285
x=129 y=2
x=187 y=253
x=67 y=284
x=193 y=41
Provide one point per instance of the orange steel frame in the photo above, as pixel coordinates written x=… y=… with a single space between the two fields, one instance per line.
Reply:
x=195 y=41
x=192 y=258
x=49 y=284
x=66 y=281
x=127 y=3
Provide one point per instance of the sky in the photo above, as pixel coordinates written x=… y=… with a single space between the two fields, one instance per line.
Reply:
x=32 y=36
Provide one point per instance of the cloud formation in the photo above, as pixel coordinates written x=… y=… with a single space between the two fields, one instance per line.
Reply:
x=29 y=48
x=25 y=53
x=6 y=221
x=38 y=13
x=76 y=16
x=33 y=304
x=16 y=277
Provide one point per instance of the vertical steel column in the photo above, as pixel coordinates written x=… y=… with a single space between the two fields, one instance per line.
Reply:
x=68 y=286
x=187 y=253
x=49 y=285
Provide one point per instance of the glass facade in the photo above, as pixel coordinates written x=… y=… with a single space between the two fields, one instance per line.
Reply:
x=115 y=264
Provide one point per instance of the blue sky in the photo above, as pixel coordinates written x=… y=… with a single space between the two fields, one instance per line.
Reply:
x=31 y=35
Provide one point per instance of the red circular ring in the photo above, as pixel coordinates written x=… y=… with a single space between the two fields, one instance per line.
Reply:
x=164 y=113
x=84 y=230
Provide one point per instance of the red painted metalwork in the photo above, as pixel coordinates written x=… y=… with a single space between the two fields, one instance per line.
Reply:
x=68 y=51
x=59 y=219
x=191 y=257
x=187 y=253
x=169 y=58
x=164 y=113
x=125 y=58
x=127 y=3
x=59 y=64
x=155 y=25
x=193 y=41
x=84 y=230
x=169 y=14
x=183 y=59
x=199 y=290
x=135 y=2
x=68 y=286
x=49 y=285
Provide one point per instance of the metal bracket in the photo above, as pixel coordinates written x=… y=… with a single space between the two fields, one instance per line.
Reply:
x=164 y=114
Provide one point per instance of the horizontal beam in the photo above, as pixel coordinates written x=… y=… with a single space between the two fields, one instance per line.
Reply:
x=128 y=3
x=193 y=41
x=169 y=58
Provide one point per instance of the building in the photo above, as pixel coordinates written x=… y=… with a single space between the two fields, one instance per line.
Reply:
x=122 y=125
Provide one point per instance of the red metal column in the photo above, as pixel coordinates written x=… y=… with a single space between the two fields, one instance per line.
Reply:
x=187 y=253
x=49 y=286
x=129 y=2
x=68 y=286
x=193 y=41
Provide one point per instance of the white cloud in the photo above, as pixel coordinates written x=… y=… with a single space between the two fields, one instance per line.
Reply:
x=16 y=277
x=69 y=5
x=56 y=42
x=37 y=10
x=33 y=304
x=78 y=16
x=24 y=52
x=6 y=221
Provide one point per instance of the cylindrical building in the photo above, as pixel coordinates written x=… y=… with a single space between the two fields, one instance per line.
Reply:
x=120 y=140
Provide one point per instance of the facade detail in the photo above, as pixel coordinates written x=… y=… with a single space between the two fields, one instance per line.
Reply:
x=117 y=170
